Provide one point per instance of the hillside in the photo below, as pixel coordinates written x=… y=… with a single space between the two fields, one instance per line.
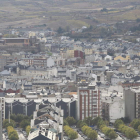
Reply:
x=72 y=13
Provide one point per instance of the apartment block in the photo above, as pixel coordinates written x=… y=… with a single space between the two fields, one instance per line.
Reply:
x=89 y=100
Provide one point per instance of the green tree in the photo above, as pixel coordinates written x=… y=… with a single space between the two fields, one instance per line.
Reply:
x=24 y=124
x=84 y=128
x=96 y=120
x=6 y=123
x=88 y=120
x=135 y=123
x=117 y=123
x=79 y=123
x=70 y=132
x=19 y=118
x=92 y=135
x=28 y=128
x=139 y=128
x=100 y=122
x=88 y=130
x=13 y=135
x=70 y=120
x=112 y=135
x=13 y=117
x=131 y=134
x=65 y=123
x=73 y=135
x=83 y=124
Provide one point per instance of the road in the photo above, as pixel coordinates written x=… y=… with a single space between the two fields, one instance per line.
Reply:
x=99 y=138
x=79 y=137
x=20 y=135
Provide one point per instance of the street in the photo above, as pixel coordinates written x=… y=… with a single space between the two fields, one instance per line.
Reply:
x=79 y=137
x=20 y=135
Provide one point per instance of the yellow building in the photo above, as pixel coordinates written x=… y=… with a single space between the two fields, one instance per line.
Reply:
x=127 y=57
x=70 y=53
x=31 y=34
x=88 y=51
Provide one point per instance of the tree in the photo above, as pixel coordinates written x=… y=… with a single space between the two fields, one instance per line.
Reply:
x=13 y=117
x=60 y=30
x=117 y=123
x=139 y=128
x=28 y=128
x=100 y=122
x=6 y=123
x=112 y=134
x=70 y=120
x=84 y=128
x=135 y=123
x=13 y=135
x=83 y=124
x=19 y=118
x=70 y=132
x=79 y=123
x=131 y=133
x=73 y=135
x=65 y=123
x=92 y=135
x=24 y=124
x=96 y=120
x=88 y=120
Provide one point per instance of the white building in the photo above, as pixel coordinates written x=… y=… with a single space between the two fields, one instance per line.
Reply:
x=113 y=104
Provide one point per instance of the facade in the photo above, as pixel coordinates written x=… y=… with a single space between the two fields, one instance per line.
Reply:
x=78 y=53
x=132 y=102
x=2 y=103
x=16 y=41
x=70 y=53
x=126 y=58
x=113 y=107
x=89 y=100
x=88 y=51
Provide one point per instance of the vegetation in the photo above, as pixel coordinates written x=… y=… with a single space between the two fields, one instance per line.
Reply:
x=104 y=10
x=135 y=123
x=91 y=134
x=70 y=132
x=12 y=134
x=24 y=123
x=102 y=125
x=129 y=132
x=28 y=128
x=6 y=123
x=70 y=120
x=21 y=119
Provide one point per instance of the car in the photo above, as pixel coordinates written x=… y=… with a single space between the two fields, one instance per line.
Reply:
x=102 y=135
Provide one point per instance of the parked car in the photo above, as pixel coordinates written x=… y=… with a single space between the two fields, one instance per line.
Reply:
x=102 y=135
